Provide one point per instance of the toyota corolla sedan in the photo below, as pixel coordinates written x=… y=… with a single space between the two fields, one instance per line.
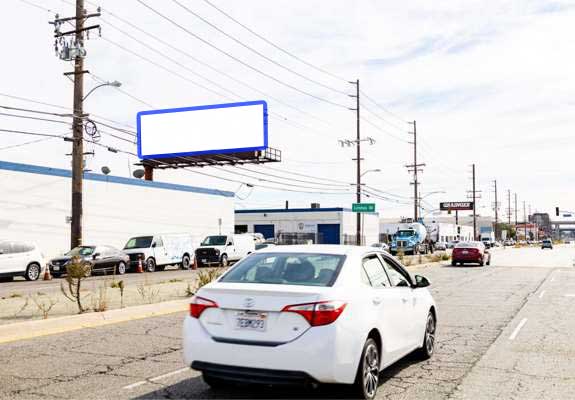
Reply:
x=304 y=315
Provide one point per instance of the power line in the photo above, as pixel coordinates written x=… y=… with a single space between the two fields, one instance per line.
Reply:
x=239 y=60
x=257 y=52
x=25 y=143
x=274 y=45
x=384 y=109
x=35 y=134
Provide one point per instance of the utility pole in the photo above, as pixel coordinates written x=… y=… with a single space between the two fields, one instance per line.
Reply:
x=474 y=194
x=496 y=211
x=358 y=171
x=415 y=169
x=516 y=210
x=474 y=205
x=509 y=206
x=68 y=50
x=524 y=220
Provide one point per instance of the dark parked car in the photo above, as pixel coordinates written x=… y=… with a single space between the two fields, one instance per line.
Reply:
x=470 y=252
x=547 y=244
x=102 y=259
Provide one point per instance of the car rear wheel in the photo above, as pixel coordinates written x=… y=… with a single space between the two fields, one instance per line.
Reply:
x=32 y=272
x=367 y=378
x=224 y=261
x=428 y=346
x=121 y=268
x=453 y=263
x=150 y=265
x=186 y=262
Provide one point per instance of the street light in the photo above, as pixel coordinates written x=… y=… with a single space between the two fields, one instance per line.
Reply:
x=115 y=84
x=370 y=170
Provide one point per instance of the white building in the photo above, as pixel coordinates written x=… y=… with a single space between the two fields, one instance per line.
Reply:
x=308 y=225
x=35 y=206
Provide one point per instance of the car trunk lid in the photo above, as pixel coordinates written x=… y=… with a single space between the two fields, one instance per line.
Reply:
x=252 y=313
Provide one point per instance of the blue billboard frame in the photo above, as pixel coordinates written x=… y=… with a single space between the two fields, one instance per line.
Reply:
x=196 y=108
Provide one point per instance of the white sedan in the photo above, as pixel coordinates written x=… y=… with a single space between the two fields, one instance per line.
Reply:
x=307 y=315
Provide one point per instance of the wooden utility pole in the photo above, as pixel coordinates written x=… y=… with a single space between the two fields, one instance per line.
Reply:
x=73 y=50
x=77 y=127
x=358 y=163
x=474 y=205
x=496 y=211
x=415 y=169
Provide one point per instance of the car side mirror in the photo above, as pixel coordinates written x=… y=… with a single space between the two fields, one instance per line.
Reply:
x=230 y=243
x=153 y=244
x=96 y=256
x=421 y=281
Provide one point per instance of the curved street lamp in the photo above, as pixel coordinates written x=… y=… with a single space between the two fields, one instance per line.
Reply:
x=114 y=84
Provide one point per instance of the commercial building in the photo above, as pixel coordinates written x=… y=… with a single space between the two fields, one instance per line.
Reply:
x=308 y=225
x=35 y=207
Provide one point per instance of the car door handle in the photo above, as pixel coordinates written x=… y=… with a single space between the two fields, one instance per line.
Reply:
x=376 y=300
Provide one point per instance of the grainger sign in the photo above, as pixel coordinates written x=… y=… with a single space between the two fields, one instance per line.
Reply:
x=456 y=205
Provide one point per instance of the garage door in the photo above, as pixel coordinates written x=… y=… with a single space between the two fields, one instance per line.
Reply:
x=328 y=233
x=267 y=230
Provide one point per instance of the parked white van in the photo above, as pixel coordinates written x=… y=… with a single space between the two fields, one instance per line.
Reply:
x=20 y=259
x=159 y=251
x=223 y=249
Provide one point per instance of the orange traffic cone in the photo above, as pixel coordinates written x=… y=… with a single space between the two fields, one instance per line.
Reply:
x=140 y=269
x=47 y=275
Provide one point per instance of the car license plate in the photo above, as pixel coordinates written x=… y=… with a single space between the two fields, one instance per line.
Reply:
x=464 y=252
x=251 y=321
x=204 y=260
x=56 y=268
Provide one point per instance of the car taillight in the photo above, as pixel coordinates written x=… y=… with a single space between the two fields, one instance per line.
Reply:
x=318 y=314
x=199 y=304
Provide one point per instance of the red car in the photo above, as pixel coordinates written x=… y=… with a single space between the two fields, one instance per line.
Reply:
x=470 y=252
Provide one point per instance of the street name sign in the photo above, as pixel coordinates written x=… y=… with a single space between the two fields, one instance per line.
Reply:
x=363 y=207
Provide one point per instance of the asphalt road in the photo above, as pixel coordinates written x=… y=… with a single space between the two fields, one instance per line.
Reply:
x=505 y=331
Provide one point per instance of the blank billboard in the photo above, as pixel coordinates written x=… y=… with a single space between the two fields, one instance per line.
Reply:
x=211 y=129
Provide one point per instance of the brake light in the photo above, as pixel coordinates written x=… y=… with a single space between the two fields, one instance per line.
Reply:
x=318 y=314
x=199 y=305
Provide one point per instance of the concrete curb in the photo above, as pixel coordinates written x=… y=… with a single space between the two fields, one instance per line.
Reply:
x=52 y=326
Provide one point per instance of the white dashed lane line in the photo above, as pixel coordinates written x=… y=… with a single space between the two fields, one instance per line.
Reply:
x=155 y=379
x=542 y=294
x=517 y=329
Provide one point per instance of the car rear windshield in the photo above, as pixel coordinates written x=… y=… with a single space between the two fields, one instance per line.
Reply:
x=81 y=251
x=215 y=241
x=468 y=245
x=303 y=269
x=142 y=242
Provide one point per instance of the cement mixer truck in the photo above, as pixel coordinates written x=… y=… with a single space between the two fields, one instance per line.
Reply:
x=409 y=239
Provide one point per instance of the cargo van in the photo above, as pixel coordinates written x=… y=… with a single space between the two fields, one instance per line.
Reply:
x=159 y=251
x=223 y=249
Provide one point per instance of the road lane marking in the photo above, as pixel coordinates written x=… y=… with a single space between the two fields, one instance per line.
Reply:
x=134 y=385
x=155 y=379
x=542 y=294
x=176 y=372
x=570 y=295
x=516 y=331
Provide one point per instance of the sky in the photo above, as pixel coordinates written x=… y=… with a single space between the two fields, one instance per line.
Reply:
x=489 y=83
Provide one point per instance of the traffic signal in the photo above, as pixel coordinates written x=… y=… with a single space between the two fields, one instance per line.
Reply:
x=556 y=211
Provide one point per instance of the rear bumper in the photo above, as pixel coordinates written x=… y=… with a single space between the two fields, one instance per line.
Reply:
x=254 y=375
x=324 y=354
x=467 y=259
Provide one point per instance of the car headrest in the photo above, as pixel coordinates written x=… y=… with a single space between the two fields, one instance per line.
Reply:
x=299 y=272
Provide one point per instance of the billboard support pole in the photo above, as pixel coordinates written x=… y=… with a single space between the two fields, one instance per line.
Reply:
x=148 y=172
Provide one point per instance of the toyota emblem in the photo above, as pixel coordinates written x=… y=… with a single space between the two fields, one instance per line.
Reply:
x=249 y=302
